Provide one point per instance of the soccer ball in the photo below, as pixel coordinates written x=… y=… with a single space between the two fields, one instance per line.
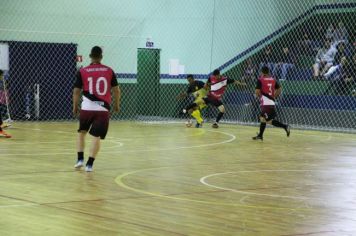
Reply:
x=188 y=123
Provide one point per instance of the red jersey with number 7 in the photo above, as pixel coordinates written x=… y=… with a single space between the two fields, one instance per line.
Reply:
x=96 y=80
x=268 y=86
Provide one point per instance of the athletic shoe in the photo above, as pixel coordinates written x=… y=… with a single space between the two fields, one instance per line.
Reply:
x=258 y=138
x=197 y=125
x=89 y=168
x=288 y=130
x=4 y=134
x=79 y=164
x=5 y=125
x=215 y=125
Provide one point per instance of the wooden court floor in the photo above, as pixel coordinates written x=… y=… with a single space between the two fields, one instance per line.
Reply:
x=152 y=179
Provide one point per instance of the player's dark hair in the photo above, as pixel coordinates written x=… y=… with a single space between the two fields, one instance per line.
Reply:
x=1 y=72
x=216 y=72
x=265 y=70
x=190 y=76
x=96 y=52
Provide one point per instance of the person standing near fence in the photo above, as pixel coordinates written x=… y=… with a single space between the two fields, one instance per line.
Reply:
x=267 y=90
x=2 y=132
x=95 y=80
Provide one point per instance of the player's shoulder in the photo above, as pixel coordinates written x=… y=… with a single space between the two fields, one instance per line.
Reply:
x=105 y=66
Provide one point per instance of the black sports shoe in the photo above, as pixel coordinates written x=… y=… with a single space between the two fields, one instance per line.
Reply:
x=215 y=125
x=288 y=130
x=197 y=125
x=258 y=138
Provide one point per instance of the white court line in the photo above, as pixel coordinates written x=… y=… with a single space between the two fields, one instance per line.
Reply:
x=19 y=205
x=203 y=181
x=233 y=137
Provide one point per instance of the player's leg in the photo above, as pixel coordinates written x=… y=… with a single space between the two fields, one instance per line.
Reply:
x=98 y=130
x=85 y=121
x=80 y=148
x=263 y=124
x=94 y=149
x=271 y=111
x=196 y=113
x=221 y=113
x=279 y=124
x=197 y=116
x=316 y=70
x=267 y=114
x=2 y=132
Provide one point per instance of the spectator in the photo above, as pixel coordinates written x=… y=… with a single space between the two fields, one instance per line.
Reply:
x=349 y=75
x=285 y=61
x=330 y=32
x=342 y=54
x=340 y=34
x=324 y=59
x=306 y=44
x=267 y=58
x=344 y=79
x=250 y=74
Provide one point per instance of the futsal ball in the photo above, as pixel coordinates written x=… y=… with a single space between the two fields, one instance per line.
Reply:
x=188 y=124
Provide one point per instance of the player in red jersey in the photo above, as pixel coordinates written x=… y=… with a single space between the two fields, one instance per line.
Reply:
x=267 y=90
x=216 y=86
x=96 y=81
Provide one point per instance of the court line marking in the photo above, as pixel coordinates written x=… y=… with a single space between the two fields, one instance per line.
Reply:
x=116 y=144
x=203 y=181
x=120 y=181
x=232 y=138
x=19 y=205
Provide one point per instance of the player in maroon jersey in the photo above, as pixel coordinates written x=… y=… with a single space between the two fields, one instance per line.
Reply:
x=96 y=81
x=267 y=90
x=216 y=86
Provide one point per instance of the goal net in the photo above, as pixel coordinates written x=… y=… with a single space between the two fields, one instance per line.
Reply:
x=308 y=45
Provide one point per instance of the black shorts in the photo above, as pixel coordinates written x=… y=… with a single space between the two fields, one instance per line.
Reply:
x=213 y=101
x=96 y=122
x=268 y=112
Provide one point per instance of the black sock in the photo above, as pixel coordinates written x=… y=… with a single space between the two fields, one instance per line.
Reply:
x=191 y=106
x=220 y=115
x=90 y=161
x=80 y=156
x=262 y=129
x=279 y=124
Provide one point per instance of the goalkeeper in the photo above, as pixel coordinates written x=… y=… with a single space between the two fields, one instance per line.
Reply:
x=2 y=94
x=197 y=89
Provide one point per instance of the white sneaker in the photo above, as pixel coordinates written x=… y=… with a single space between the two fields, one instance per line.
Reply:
x=89 y=168
x=78 y=164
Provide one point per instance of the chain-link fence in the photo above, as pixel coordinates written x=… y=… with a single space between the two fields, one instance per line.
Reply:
x=152 y=45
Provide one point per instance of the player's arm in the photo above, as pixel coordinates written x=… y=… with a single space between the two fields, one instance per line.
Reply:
x=258 y=93
x=116 y=92
x=76 y=93
x=278 y=90
x=207 y=84
x=235 y=82
x=258 y=89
